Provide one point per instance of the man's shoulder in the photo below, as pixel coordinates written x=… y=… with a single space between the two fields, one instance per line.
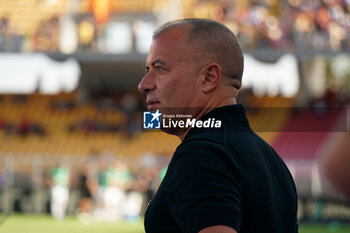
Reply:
x=202 y=157
x=201 y=150
x=226 y=140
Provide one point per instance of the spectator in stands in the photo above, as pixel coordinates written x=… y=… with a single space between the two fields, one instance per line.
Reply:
x=130 y=107
x=47 y=36
x=62 y=105
x=10 y=40
x=3 y=31
x=38 y=129
x=2 y=123
x=24 y=127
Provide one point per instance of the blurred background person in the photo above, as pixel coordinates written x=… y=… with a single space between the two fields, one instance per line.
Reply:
x=59 y=191
x=88 y=188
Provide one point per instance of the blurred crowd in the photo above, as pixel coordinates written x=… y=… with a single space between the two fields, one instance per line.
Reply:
x=127 y=105
x=288 y=25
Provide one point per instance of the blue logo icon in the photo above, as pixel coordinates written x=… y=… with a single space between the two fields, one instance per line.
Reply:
x=151 y=120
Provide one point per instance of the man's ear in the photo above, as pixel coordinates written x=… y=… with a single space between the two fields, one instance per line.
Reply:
x=211 y=77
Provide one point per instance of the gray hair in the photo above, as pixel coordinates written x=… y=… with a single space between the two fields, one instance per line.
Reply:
x=216 y=40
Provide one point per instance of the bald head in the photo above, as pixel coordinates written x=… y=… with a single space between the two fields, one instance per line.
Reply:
x=213 y=42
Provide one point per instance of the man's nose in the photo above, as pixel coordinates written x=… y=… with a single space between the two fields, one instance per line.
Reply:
x=147 y=84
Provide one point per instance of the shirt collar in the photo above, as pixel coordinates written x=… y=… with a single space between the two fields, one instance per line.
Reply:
x=228 y=113
x=233 y=117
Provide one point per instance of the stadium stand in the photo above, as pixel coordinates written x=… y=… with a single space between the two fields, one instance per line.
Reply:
x=21 y=14
x=76 y=130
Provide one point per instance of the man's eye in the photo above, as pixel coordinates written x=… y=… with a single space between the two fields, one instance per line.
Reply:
x=147 y=70
x=158 y=68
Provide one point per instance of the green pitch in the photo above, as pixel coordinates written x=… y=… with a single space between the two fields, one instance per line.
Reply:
x=45 y=224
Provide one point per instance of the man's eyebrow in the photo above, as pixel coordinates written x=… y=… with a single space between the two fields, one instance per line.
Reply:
x=158 y=61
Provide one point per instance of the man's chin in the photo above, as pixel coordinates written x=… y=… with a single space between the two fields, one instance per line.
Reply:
x=154 y=109
x=174 y=131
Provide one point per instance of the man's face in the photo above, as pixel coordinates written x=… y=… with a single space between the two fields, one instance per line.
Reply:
x=172 y=70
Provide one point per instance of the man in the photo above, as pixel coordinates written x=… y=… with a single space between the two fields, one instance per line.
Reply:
x=60 y=182
x=222 y=180
x=335 y=165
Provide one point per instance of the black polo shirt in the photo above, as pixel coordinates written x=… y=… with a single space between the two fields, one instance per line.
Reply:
x=227 y=176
